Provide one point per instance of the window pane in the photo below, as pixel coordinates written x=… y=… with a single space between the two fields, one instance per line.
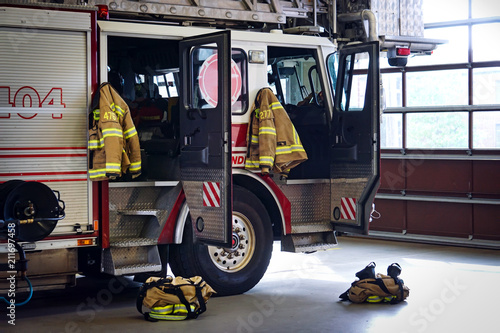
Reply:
x=159 y=80
x=391 y=134
x=356 y=95
x=486 y=85
x=483 y=47
x=437 y=130
x=445 y=10
x=393 y=90
x=455 y=51
x=172 y=88
x=358 y=92
x=486 y=130
x=485 y=8
x=239 y=87
x=205 y=77
x=437 y=88
x=298 y=78
x=358 y=87
x=332 y=65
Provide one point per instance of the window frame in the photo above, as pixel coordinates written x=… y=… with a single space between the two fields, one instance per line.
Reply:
x=471 y=107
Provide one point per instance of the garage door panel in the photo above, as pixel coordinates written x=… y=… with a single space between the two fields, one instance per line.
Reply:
x=439 y=176
x=440 y=218
x=484 y=179
x=392 y=216
x=392 y=175
x=487 y=222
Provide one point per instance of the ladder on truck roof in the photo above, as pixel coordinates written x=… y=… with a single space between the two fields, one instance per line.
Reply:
x=390 y=22
x=263 y=11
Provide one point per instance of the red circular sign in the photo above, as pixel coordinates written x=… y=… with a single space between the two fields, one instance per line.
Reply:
x=208 y=80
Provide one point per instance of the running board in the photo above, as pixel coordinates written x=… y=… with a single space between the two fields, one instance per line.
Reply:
x=308 y=242
x=128 y=260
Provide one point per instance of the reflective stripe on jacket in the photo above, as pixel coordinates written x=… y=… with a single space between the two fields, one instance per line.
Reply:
x=273 y=142
x=113 y=140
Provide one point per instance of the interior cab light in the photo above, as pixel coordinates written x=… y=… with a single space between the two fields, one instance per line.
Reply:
x=102 y=12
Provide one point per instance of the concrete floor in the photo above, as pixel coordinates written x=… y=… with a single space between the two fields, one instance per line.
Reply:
x=452 y=289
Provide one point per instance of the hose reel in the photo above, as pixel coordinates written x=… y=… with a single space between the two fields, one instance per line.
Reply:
x=33 y=207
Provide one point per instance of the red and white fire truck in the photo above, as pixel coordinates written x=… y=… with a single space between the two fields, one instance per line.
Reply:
x=189 y=72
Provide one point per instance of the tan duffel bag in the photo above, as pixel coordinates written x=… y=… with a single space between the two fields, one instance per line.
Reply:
x=176 y=298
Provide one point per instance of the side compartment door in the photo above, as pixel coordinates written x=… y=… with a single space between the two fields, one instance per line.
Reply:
x=205 y=127
x=354 y=136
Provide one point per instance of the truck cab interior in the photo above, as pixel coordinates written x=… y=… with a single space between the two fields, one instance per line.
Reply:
x=294 y=78
x=146 y=73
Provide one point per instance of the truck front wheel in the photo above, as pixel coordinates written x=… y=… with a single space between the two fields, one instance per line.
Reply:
x=234 y=270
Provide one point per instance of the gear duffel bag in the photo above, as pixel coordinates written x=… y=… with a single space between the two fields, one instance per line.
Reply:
x=176 y=298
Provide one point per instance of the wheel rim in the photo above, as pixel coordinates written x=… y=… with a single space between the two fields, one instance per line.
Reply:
x=237 y=257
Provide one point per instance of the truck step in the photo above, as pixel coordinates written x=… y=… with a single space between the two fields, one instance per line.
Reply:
x=131 y=259
x=130 y=242
x=143 y=212
x=139 y=224
x=314 y=247
x=137 y=268
x=304 y=228
x=308 y=242
x=160 y=214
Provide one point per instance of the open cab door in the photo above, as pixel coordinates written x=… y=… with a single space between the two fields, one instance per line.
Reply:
x=205 y=124
x=354 y=136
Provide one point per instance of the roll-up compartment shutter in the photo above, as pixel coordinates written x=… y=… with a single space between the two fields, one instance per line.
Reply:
x=44 y=94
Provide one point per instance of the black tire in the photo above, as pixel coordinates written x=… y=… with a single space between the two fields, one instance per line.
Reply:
x=236 y=270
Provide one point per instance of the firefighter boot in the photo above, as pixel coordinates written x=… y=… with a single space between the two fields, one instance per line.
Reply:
x=367 y=273
x=394 y=270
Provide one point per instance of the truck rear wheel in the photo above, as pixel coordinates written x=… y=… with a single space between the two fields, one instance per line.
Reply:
x=234 y=270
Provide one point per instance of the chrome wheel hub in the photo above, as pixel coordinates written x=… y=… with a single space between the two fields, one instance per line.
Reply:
x=234 y=259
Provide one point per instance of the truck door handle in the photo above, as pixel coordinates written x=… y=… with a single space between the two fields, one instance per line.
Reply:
x=188 y=137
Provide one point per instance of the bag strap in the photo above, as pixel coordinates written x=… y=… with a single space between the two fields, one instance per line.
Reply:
x=193 y=314
x=201 y=301
x=379 y=282
x=142 y=293
x=382 y=286
x=400 y=283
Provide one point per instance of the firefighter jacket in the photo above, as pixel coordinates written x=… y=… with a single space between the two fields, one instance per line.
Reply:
x=113 y=140
x=272 y=141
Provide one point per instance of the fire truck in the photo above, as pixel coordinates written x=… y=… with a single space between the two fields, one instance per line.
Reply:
x=189 y=72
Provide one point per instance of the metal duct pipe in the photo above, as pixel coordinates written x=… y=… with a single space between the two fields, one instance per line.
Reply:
x=315 y=13
x=362 y=16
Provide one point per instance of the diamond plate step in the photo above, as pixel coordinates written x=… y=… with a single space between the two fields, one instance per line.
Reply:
x=303 y=228
x=308 y=242
x=146 y=212
x=138 y=268
x=160 y=214
x=129 y=242
x=314 y=247
x=130 y=259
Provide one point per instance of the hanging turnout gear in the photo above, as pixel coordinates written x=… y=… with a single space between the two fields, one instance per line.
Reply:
x=377 y=288
x=174 y=298
x=113 y=141
x=273 y=143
